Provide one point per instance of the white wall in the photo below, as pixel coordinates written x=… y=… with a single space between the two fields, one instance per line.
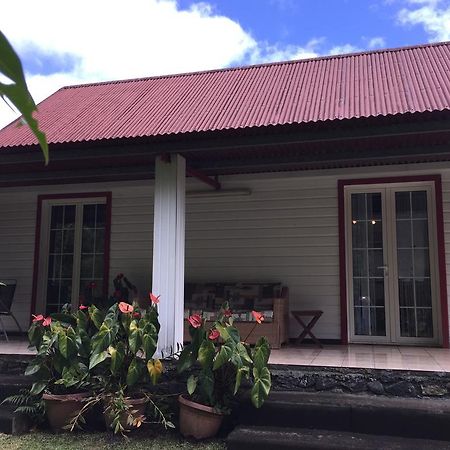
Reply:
x=286 y=231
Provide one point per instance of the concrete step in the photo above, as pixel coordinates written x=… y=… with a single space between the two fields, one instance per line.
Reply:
x=414 y=418
x=273 y=438
x=12 y=384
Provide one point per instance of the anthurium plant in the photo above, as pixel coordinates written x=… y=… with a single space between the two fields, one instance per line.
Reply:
x=123 y=346
x=223 y=360
x=63 y=344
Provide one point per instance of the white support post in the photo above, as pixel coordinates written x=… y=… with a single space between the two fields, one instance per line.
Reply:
x=168 y=249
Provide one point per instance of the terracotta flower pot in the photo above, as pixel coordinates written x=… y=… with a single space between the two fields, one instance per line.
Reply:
x=197 y=420
x=137 y=408
x=61 y=408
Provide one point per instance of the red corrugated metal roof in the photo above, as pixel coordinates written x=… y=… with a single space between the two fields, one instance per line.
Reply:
x=378 y=83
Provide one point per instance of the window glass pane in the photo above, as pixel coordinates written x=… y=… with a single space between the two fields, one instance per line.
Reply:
x=376 y=291
x=57 y=217
x=359 y=234
x=406 y=292
x=404 y=238
x=362 y=321
x=67 y=265
x=99 y=240
x=424 y=322
x=101 y=215
x=376 y=261
x=87 y=266
x=359 y=263
x=423 y=292
x=378 y=322
x=420 y=232
x=360 y=291
x=375 y=234
x=88 y=240
x=419 y=204
x=89 y=212
x=407 y=322
x=421 y=263
x=403 y=205
x=69 y=216
x=373 y=206
x=98 y=266
x=358 y=206
x=55 y=241
x=405 y=263
x=68 y=236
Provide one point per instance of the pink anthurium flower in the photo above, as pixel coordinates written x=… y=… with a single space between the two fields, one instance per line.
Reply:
x=154 y=299
x=213 y=335
x=82 y=307
x=47 y=321
x=38 y=318
x=195 y=320
x=125 y=307
x=137 y=315
x=259 y=317
x=227 y=312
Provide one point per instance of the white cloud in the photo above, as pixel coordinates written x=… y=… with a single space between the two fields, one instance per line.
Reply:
x=432 y=15
x=376 y=42
x=114 y=39
x=342 y=49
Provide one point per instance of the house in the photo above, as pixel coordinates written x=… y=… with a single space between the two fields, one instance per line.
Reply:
x=329 y=175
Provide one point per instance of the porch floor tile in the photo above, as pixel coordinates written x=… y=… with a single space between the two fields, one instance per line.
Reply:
x=365 y=356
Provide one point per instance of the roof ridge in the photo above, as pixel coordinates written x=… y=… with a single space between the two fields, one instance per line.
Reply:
x=252 y=66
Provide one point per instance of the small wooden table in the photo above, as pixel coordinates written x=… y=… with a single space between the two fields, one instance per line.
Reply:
x=307 y=327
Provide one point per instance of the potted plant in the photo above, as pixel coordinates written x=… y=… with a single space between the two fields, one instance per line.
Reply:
x=60 y=367
x=122 y=360
x=220 y=360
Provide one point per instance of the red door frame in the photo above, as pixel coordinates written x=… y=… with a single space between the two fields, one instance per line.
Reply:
x=436 y=179
x=37 y=238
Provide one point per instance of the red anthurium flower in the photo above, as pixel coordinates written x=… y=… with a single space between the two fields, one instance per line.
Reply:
x=137 y=315
x=38 y=318
x=47 y=321
x=125 y=307
x=154 y=299
x=195 y=320
x=259 y=317
x=227 y=312
x=213 y=335
x=82 y=307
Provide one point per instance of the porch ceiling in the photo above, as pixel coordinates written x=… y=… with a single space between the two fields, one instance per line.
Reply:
x=412 y=138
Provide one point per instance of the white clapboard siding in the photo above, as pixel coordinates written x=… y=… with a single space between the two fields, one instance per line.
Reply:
x=285 y=231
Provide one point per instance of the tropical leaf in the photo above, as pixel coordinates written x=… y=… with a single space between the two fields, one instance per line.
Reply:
x=149 y=344
x=261 y=386
x=97 y=358
x=186 y=360
x=134 y=372
x=244 y=370
x=38 y=387
x=192 y=384
x=67 y=343
x=17 y=92
x=104 y=337
x=244 y=353
x=261 y=353
x=35 y=335
x=135 y=339
x=206 y=353
x=96 y=316
x=117 y=356
x=155 y=368
x=223 y=356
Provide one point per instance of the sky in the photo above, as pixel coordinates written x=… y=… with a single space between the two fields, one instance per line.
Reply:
x=64 y=42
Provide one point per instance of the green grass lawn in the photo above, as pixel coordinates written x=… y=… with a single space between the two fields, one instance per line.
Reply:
x=100 y=441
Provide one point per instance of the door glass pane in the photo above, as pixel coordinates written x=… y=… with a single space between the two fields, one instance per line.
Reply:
x=367 y=256
x=60 y=257
x=92 y=254
x=413 y=259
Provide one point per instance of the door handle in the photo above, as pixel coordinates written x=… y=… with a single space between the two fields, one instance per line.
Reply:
x=385 y=268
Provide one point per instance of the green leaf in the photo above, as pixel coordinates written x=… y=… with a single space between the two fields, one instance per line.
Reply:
x=191 y=384
x=35 y=334
x=67 y=343
x=186 y=360
x=38 y=387
x=97 y=358
x=104 y=337
x=149 y=344
x=244 y=353
x=96 y=316
x=84 y=343
x=261 y=353
x=223 y=356
x=134 y=372
x=206 y=353
x=117 y=357
x=135 y=340
x=206 y=385
x=223 y=332
x=82 y=320
x=240 y=372
x=261 y=386
x=18 y=93
x=33 y=368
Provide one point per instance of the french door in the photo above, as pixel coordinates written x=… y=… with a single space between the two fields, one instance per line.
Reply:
x=391 y=264
x=72 y=253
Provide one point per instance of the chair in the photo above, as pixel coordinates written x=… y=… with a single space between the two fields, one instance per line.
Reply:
x=7 y=290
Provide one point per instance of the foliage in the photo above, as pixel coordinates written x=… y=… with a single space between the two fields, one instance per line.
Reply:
x=223 y=360
x=17 y=91
x=63 y=344
x=25 y=403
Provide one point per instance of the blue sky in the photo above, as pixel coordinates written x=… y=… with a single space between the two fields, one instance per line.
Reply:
x=80 y=41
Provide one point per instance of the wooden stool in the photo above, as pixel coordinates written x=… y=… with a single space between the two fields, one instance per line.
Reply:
x=307 y=328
